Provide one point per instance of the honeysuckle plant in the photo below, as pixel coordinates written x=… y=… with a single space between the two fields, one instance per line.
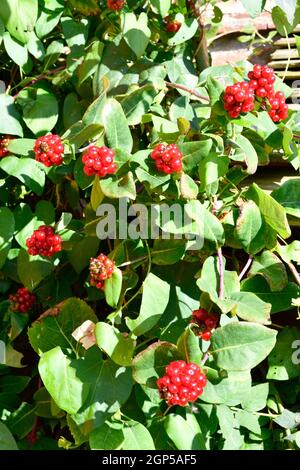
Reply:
x=107 y=113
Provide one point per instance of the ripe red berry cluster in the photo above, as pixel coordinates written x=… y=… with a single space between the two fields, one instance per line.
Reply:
x=238 y=98
x=22 y=300
x=101 y=268
x=206 y=322
x=182 y=383
x=48 y=150
x=3 y=146
x=115 y=4
x=167 y=158
x=172 y=25
x=44 y=242
x=99 y=161
x=262 y=80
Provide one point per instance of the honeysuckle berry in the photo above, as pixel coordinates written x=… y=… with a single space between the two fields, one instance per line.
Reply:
x=115 y=4
x=4 y=152
x=279 y=108
x=172 y=25
x=167 y=158
x=101 y=268
x=182 y=383
x=206 y=322
x=22 y=301
x=99 y=161
x=44 y=242
x=49 y=150
x=238 y=98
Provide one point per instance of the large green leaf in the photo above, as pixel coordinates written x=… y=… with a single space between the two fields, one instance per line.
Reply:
x=32 y=270
x=7 y=441
x=250 y=228
x=228 y=390
x=288 y=196
x=7 y=227
x=272 y=269
x=189 y=346
x=113 y=288
x=248 y=152
x=284 y=363
x=109 y=436
x=242 y=346
x=251 y=308
x=154 y=301
x=194 y=152
x=27 y=170
x=162 y=6
x=137 y=103
x=60 y=377
x=185 y=433
x=137 y=437
x=56 y=329
x=113 y=187
x=116 y=127
x=118 y=346
x=40 y=109
x=82 y=251
x=254 y=7
x=188 y=29
x=16 y=51
x=136 y=32
x=10 y=118
x=19 y=17
x=273 y=212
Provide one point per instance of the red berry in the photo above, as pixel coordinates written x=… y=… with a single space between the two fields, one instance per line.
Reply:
x=4 y=152
x=205 y=321
x=206 y=335
x=115 y=4
x=43 y=242
x=167 y=158
x=101 y=268
x=22 y=301
x=48 y=150
x=99 y=161
x=172 y=25
x=239 y=98
x=182 y=383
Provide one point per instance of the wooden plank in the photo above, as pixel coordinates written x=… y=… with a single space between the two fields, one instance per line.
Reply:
x=284 y=54
x=281 y=64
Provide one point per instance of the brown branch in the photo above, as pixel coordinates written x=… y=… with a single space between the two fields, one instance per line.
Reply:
x=191 y=91
x=41 y=77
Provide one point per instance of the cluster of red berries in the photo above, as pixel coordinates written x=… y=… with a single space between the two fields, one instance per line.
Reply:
x=238 y=98
x=182 y=383
x=115 y=4
x=99 y=161
x=262 y=80
x=172 y=25
x=48 y=150
x=101 y=268
x=167 y=158
x=22 y=300
x=206 y=323
x=44 y=242
x=3 y=146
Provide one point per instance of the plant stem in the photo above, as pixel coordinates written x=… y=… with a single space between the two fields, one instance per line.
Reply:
x=41 y=77
x=221 y=274
x=246 y=267
x=292 y=269
x=206 y=356
x=191 y=91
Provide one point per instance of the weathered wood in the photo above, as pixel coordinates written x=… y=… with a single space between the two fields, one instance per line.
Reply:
x=284 y=54
x=281 y=64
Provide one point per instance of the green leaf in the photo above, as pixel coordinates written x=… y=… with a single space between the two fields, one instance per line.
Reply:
x=155 y=298
x=249 y=421
x=150 y=364
x=254 y=7
x=250 y=228
x=185 y=433
x=83 y=250
x=49 y=17
x=256 y=398
x=248 y=152
x=138 y=103
x=284 y=361
x=194 y=152
x=21 y=421
x=215 y=89
x=21 y=146
x=242 y=346
x=60 y=377
x=281 y=22
x=229 y=390
x=10 y=118
x=56 y=329
x=113 y=187
x=251 y=308
x=16 y=51
x=115 y=124
x=290 y=252
x=19 y=17
x=7 y=441
x=273 y=212
x=7 y=227
x=211 y=168
x=188 y=29
x=137 y=437
x=40 y=109
x=228 y=425
x=168 y=251
x=288 y=196
x=32 y=270
x=110 y=386
x=113 y=288
x=161 y=6
x=109 y=436
x=27 y=170
x=272 y=269
x=280 y=300
x=91 y=61
x=136 y=32
x=189 y=346
x=119 y=347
